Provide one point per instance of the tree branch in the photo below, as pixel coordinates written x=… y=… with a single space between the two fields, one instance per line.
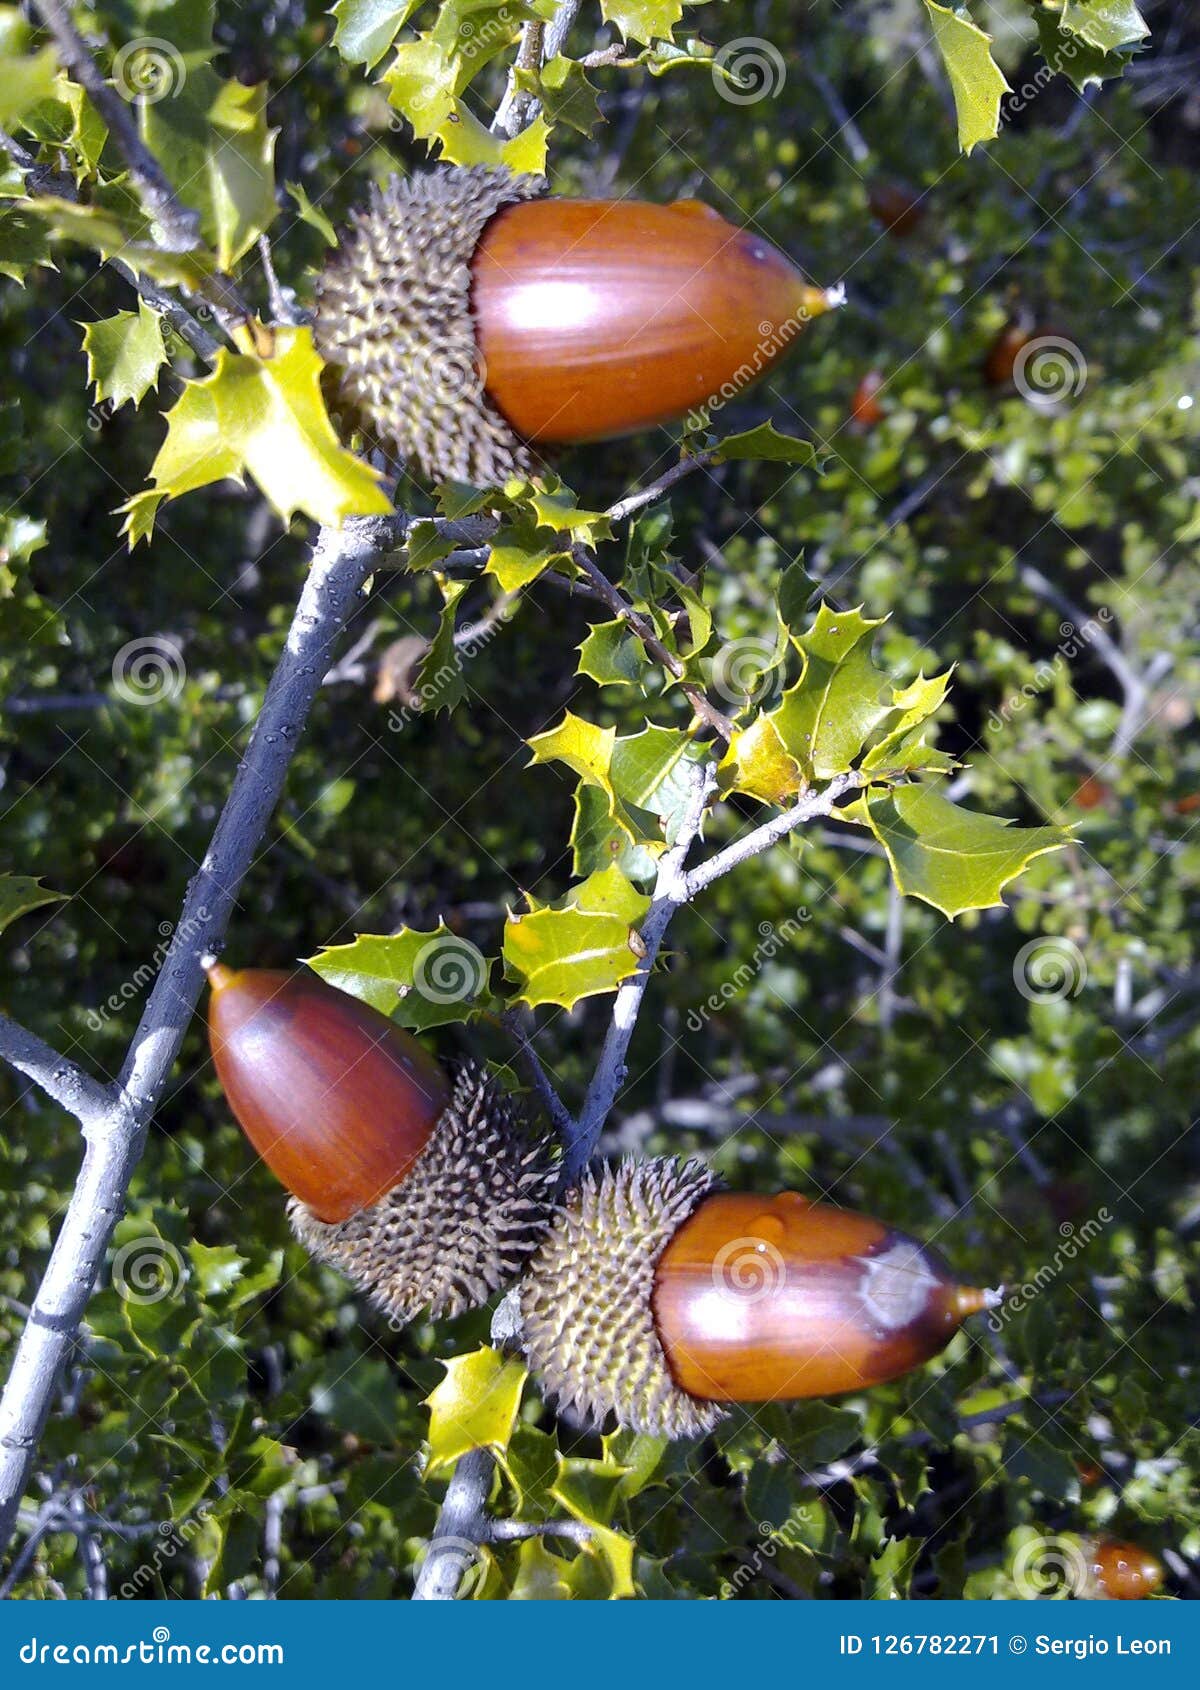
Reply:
x=342 y=560
x=62 y=1081
x=462 y=1525
x=806 y=809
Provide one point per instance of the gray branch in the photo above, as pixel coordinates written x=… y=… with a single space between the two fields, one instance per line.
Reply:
x=62 y=1081
x=806 y=809
x=116 y=1132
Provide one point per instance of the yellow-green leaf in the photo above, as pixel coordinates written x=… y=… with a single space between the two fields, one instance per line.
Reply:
x=212 y=140
x=124 y=354
x=264 y=417
x=583 y=948
x=474 y=1407
x=952 y=858
x=643 y=20
x=20 y=893
x=366 y=28
x=975 y=78
x=26 y=79
x=420 y=979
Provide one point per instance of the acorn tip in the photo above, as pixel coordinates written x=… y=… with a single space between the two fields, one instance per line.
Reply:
x=219 y=976
x=815 y=302
x=972 y=1299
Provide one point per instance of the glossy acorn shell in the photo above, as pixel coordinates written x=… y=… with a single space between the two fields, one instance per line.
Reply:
x=1125 y=1572
x=337 y=1100
x=760 y=1299
x=596 y=318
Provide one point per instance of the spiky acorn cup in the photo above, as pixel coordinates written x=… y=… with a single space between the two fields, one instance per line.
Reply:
x=655 y=1298
x=427 y=1192
x=473 y=322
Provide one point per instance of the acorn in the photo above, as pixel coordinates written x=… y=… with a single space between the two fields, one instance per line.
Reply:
x=426 y=1189
x=656 y=1298
x=1124 y=1572
x=896 y=206
x=474 y=322
x=865 y=408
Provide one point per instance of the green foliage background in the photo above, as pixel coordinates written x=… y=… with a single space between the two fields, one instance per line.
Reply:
x=950 y=1102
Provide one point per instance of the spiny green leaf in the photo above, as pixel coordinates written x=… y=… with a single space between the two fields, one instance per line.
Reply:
x=1107 y=24
x=20 y=893
x=952 y=858
x=766 y=444
x=474 y=1407
x=975 y=77
x=366 y=28
x=583 y=948
x=312 y=214
x=1072 y=57
x=212 y=140
x=643 y=20
x=124 y=354
x=611 y=655
x=264 y=417
x=421 y=979
x=26 y=79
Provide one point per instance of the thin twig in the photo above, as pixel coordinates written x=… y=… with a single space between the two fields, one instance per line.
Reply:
x=63 y=1082
x=808 y=808
x=643 y=628
x=557 y=1110
x=670 y=892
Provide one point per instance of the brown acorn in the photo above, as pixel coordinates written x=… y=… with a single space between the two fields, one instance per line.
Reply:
x=428 y=1190
x=656 y=1298
x=896 y=206
x=865 y=408
x=473 y=321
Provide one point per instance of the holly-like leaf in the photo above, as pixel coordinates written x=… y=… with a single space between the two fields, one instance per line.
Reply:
x=557 y=508
x=24 y=242
x=520 y=553
x=838 y=702
x=541 y=1575
x=124 y=355
x=114 y=225
x=767 y=445
x=643 y=20
x=311 y=214
x=584 y=947
x=20 y=893
x=212 y=140
x=1071 y=56
x=26 y=78
x=1107 y=24
x=566 y=94
x=952 y=858
x=420 y=979
x=901 y=743
x=441 y=678
x=474 y=1407
x=611 y=655
x=975 y=78
x=366 y=28
x=264 y=417
x=70 y=123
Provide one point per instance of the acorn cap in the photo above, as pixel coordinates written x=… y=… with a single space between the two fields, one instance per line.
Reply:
x=586 y=1299
x=464 y=1220
x=393 y=314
